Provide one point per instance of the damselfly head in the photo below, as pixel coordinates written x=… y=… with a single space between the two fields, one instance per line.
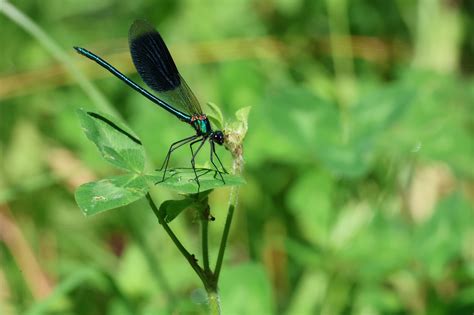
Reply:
x=218 y=137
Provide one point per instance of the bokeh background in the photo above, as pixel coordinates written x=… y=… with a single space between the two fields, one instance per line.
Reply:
x=359 y=157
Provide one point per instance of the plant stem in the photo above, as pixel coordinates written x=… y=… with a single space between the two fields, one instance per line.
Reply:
x=205 y=242
x=214 y=302
x=225 y=236
x=234 y=195
x=189 y=257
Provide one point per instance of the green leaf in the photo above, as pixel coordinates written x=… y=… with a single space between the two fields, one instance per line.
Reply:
x=215 y=116
x=242 y=114
x=172 y=208
x=240 y=125
x=435 y=243
x=110 y=193
x=314 y=224
x=380 y=109
x=235 y=131
x=115 y=141
x=183 y=180
x=301 y=117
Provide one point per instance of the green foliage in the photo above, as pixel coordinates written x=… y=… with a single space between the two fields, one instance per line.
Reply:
x=170 y=209
x=358 y=159
x=68 y=284
x=215 y=116
x=117 y=144
x=121 y=147
x=245 y=290
x=183 y=180
x=110 y=193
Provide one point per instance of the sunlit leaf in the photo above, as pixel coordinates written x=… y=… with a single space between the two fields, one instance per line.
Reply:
x=115 y=141
x=110 y=193
x=314 y=224
x=183 y=180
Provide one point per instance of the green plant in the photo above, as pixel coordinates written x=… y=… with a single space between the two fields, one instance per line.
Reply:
x=121 y=147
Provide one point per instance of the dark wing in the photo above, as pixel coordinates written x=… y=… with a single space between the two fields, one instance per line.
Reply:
x=156 y=67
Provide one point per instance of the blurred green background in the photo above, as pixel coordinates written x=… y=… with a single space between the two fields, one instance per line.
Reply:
x=359 y=157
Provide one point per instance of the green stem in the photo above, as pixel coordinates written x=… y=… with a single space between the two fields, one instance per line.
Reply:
x=225 y=236
x=205 y=242
x=214 y=302
x=10 y=11
x=190 y=258
x=234 y=196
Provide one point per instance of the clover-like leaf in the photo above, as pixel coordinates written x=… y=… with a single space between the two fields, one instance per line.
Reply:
x=110 y=193
x=115 y=141
x=184 y=180
x=170 y=209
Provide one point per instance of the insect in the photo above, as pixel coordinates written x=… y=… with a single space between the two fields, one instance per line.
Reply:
x=157 y=69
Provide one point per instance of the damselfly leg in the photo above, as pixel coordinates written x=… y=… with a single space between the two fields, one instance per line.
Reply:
x=193 y=140
x=194 y=154
x=212 y=153
x=173 y=147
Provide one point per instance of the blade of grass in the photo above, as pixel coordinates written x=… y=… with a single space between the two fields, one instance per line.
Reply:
x=22 y=20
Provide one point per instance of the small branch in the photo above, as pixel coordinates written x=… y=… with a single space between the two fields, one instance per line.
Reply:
x=225 y=236
x=189 y=257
